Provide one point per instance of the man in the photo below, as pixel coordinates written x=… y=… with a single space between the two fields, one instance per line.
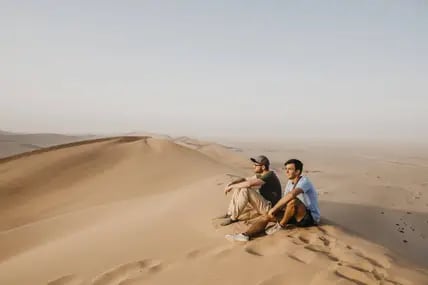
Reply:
x=244 y=193
x=298 y=206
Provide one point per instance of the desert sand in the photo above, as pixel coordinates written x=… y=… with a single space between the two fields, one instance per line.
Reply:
x=138 y=210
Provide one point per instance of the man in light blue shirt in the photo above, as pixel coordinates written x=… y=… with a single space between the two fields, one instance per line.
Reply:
x=298 y=206
x=308 y=196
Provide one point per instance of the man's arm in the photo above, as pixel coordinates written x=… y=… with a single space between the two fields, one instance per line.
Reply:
x=284 y=200
x=249 y=182
x=239 y=180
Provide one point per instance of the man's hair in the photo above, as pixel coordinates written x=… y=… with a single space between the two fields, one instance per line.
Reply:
x=297 y=164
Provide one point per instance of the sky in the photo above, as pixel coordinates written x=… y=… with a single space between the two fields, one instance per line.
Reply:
x=248 y=69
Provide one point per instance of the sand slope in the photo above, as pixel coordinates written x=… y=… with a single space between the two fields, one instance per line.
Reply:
x=138 y=210
x=15 y=143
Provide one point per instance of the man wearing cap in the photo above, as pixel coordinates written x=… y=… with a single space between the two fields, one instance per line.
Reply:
x=298 y=206
x=244 y=193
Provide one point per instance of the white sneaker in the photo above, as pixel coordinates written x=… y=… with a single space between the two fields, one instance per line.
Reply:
x=276 y=228
x=237 y=237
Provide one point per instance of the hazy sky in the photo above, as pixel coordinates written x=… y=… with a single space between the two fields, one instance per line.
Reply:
x=212 y=68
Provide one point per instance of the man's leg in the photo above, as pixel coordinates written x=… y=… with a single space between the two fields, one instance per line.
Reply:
x=258 y=202
x=259 y=226
x=295 y=208
x=238 y=203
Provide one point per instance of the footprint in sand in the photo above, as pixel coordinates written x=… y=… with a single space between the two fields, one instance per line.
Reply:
x=322 y=277
x=343 y=282
x=272 y=281
x=307 y=237
x=396 y=281
x=349 y=265
x=196 y=253
x=351 y=260
x=380 y=273
x=354 y=265
x=376 y=260
x=356 y=276
x=209 y=251
x=128 y=273
x=315 y=240
x=302 y=255
x=320 y=243
x=363 y=268
x=279 y=279
x=67 y=280
x=302 y=245
x=325 y=230
x=275 y=245
x=318 y=248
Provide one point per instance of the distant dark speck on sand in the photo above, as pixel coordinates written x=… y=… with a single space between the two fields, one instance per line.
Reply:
x=382 y=213
x=408 y=213
x=404 y=240
x=397 y=224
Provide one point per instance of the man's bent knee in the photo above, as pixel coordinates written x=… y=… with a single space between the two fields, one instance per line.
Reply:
x=265 y=217
x=243 y=190
x=292 y=204
x=296 y=201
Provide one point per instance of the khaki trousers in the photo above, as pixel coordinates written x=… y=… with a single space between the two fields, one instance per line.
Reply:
x=244 y=197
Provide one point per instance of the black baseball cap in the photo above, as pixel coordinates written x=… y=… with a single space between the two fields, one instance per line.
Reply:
x=261 y=159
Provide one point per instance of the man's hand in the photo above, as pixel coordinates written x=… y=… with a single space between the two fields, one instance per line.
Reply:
x=227 y=189
x=271 y=213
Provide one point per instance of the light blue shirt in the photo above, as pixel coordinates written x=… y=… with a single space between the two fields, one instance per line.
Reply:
x=309 y=197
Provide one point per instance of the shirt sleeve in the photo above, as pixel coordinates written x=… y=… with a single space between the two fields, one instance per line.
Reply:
x=265 y=177
x=304 y=184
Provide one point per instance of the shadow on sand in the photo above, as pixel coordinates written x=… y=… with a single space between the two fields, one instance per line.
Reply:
x=403 y=232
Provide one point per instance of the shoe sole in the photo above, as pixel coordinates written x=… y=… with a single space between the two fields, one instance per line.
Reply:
x=230 y=238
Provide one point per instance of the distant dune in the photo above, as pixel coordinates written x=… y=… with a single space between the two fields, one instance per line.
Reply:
x=14 y=143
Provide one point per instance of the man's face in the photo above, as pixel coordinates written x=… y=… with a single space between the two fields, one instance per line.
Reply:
x=291 y=172
x=258 y=168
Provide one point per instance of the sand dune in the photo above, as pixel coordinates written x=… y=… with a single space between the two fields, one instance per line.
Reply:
x=229 y=156
x=15 y=143
x=67 y=177
x=137 y=210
